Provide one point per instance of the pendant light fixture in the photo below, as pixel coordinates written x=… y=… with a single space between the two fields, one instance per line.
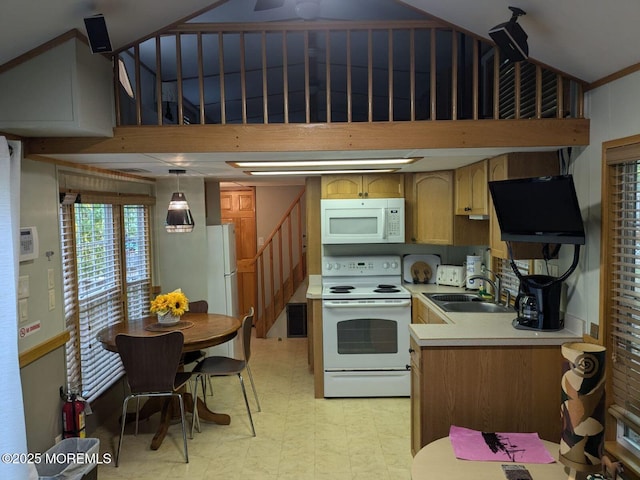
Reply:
x=179 y=219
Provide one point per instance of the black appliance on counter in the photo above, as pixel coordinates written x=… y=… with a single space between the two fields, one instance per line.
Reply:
x=543 y=210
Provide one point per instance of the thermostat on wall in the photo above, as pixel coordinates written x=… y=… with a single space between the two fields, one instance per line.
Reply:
x=28 y=243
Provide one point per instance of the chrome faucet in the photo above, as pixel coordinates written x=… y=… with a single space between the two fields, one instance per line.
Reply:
x=496 y=285
x=484 y=278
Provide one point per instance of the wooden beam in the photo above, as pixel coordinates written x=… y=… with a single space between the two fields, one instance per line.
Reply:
x=427 y=134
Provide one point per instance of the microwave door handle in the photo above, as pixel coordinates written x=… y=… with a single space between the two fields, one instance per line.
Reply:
x=384 y=223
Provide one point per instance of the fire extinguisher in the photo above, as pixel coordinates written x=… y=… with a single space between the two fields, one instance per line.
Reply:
x=73 y=416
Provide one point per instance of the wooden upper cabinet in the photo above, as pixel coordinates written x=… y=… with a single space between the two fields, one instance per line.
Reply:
x=510 y=166
x=472 y=192
x=433 y=208
x=386 y=185
x=430 y=208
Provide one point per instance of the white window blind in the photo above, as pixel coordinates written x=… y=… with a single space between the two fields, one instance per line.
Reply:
x=624 y=290
x=106 y=261
x=137 y=253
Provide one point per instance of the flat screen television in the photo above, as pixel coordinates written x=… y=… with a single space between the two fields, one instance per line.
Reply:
x=540 y=209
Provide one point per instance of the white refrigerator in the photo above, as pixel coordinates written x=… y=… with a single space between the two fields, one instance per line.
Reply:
x=222 y=277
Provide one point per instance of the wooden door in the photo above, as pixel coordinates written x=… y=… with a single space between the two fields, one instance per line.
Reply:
x=239 y=207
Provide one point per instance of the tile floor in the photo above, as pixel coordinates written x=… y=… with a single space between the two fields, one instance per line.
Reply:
x=298 y=437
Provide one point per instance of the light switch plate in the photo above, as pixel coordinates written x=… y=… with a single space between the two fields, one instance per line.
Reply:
x=52 y=299
x=23 y=286
x=23 y=310
x=50 y=279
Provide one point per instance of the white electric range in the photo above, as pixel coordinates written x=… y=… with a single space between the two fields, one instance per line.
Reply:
x=366 y=314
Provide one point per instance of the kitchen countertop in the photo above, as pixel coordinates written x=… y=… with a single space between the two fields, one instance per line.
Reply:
x=480 y=329
x=469 y=329
x=314 y=288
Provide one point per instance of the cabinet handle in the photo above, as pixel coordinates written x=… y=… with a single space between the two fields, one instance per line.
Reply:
x=467 y=209
x=366 y=194
x=359 y=194
x=411 y=350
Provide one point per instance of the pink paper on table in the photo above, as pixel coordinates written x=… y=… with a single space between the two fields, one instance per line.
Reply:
x=498 y=447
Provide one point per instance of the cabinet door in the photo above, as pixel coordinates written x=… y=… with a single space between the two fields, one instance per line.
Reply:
x=389 y=185
x=416 y=399
x=479 y=188
x=418 y=311
x=472 y=192
x=433 y=209
x=341 y=186
x=463 y=191
x=434 y=317
x=497 y=171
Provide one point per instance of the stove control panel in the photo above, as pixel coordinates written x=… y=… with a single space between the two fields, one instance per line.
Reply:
x=361 y=266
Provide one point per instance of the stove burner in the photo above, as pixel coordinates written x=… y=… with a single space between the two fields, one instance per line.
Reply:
x=341 y=289
x=386 y=289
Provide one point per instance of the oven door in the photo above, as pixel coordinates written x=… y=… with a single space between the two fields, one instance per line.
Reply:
x=366 y=334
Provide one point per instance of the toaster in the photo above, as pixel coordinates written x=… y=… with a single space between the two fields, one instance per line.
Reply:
x=452 y=275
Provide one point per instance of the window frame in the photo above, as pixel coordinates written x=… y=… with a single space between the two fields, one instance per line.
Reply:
x=615 y=153
x=77 y=344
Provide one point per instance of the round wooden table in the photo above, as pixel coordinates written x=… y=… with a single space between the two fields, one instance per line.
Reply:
x=200 y=330
x=437 y=460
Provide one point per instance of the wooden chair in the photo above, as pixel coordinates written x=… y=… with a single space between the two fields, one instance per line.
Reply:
x=151 y=364
x=199 y=306
x=218 y=366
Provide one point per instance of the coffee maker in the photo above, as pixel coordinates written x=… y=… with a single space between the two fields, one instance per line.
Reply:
x=538 y=303
x=538 y=300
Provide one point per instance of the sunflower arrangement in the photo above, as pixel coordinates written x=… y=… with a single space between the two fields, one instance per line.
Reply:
x=176 y=303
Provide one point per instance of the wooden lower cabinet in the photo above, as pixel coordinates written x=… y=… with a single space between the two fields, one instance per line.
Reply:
x=416 y=400
x=492 y=389
x=421 y=313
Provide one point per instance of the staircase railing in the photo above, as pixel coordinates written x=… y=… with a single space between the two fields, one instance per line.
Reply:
x=280 y=266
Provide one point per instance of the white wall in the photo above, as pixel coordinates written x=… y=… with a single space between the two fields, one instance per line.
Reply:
x=180 y=258
x=613 y=111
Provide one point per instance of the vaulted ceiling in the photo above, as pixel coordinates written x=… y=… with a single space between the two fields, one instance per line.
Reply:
x=588 y=39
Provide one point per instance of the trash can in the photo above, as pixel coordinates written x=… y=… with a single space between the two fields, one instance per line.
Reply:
x=71 y=459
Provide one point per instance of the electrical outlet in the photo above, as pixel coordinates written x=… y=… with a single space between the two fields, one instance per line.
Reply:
x=594 y=330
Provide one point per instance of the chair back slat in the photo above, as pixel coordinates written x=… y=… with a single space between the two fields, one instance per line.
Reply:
x=150 y=362
x=199 y=306
x=247 y=324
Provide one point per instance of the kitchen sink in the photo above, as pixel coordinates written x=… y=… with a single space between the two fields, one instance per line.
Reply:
x=465 y=303
x=471 y=307
x=453 y=297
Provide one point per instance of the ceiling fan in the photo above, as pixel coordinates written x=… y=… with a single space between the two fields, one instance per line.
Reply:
x=305 y=9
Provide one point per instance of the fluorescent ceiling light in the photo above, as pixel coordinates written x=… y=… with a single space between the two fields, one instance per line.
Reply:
x=318 y=172
x=323 y=163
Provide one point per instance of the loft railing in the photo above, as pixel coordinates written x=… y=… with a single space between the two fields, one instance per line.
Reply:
x=314 y=72
x=280 y=266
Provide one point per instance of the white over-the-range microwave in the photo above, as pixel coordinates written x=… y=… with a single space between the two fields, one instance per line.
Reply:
x=366 y=220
